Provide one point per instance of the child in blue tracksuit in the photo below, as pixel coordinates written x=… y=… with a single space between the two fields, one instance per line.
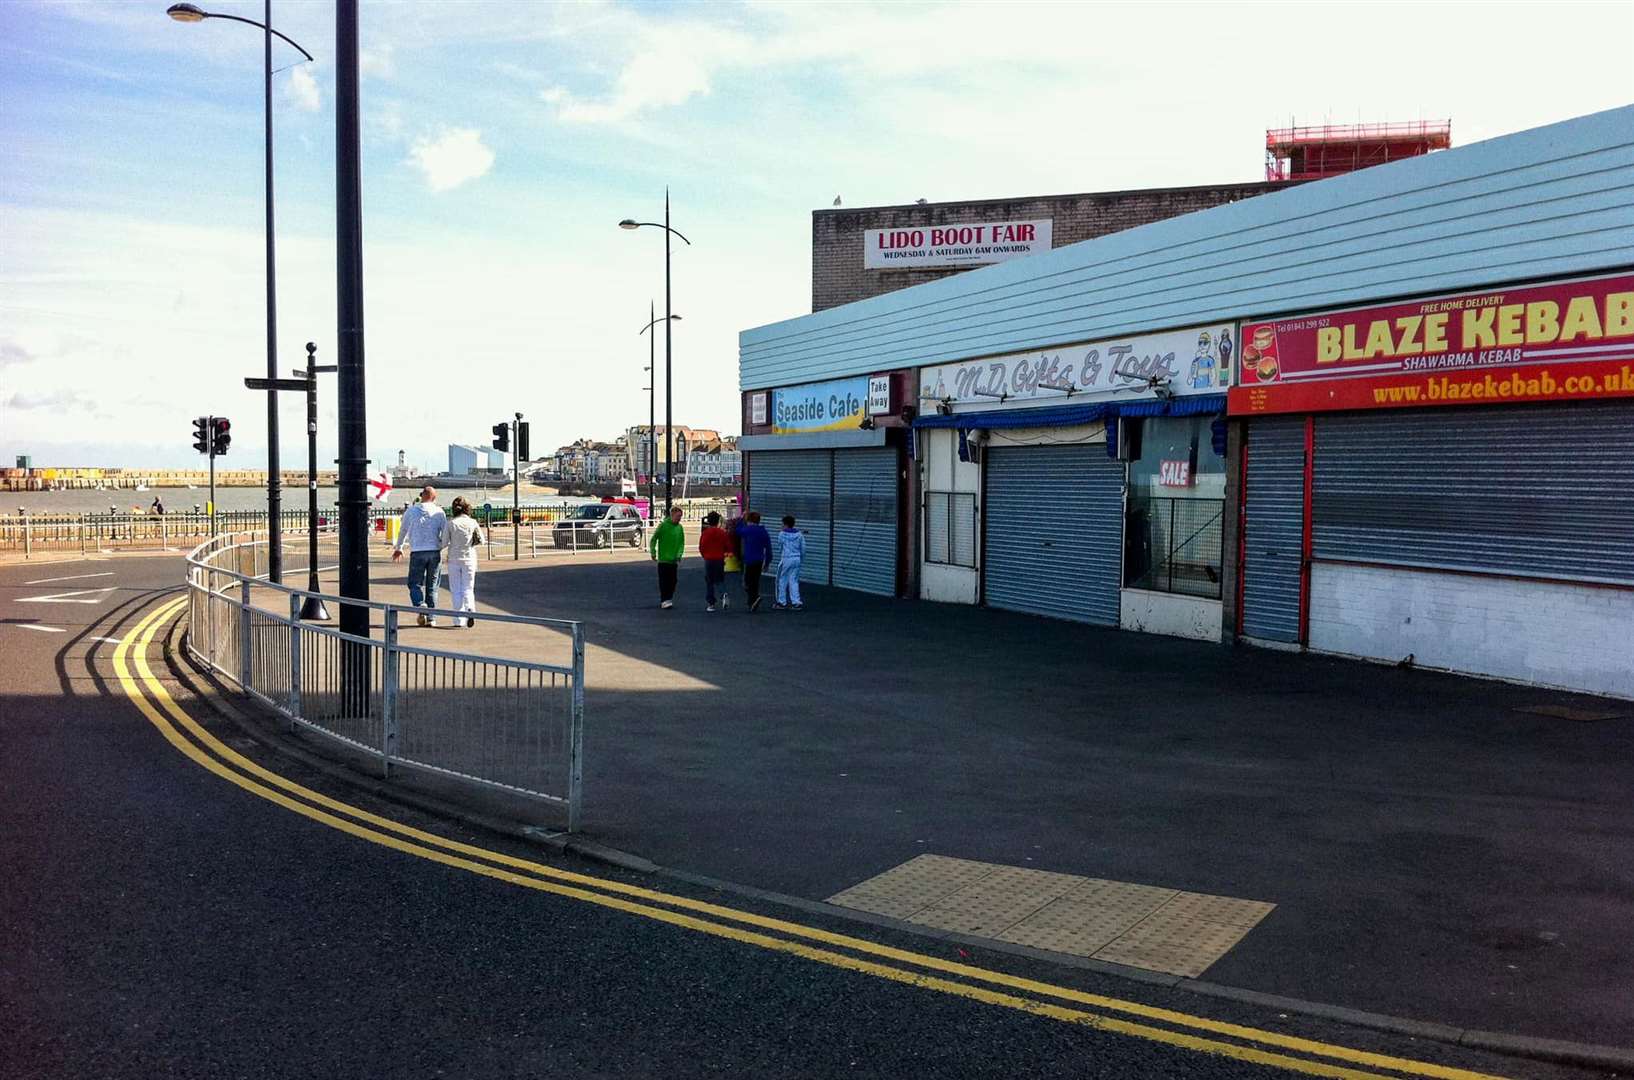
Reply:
x=788 y=567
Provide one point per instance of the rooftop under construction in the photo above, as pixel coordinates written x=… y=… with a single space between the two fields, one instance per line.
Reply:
x=1314 y=153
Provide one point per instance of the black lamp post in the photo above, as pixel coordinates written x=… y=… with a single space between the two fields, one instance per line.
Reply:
x=668 y=320
x=189 y=13
x=312 y=608
x=652 y=421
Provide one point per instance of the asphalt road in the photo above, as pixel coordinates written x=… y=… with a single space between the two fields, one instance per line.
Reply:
x=161 y=919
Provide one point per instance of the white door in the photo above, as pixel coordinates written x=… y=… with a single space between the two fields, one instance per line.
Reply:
x=950 y=558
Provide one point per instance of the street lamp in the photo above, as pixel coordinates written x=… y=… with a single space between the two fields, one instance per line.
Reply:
x=652 y=421
x=669 y=320
x=190 y=13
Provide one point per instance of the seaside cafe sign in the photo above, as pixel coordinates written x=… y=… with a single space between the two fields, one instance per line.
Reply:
x=838 y=405
x=1193 y=361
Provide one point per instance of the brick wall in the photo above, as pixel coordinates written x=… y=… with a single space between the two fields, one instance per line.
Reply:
x=838 y=276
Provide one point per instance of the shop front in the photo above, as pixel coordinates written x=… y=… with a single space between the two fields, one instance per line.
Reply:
x=831 y=455
x=1083 y=483
x=1446 y=482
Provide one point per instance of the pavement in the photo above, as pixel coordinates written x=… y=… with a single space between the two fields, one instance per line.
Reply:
x=1432 y=849
x=186 y=900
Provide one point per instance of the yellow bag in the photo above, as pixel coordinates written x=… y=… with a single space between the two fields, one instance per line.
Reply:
x=733 y=564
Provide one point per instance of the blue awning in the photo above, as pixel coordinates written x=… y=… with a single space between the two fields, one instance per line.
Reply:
x=1067 y=415
x=1070 y=415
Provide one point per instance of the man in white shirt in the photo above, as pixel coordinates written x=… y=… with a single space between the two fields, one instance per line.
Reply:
x=424 y=531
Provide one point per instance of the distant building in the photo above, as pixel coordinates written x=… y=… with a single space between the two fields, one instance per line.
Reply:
x=467 y=460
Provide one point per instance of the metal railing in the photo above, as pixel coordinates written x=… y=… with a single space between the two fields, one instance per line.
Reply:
x=31 y=534
x=493 y=722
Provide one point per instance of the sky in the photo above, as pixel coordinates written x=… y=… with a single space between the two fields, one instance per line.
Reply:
x=502 y=143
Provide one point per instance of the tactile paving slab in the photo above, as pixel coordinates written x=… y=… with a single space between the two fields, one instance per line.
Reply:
x=915 y=885
x=1144 y=926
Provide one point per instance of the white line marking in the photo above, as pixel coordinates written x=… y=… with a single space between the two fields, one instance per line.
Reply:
x=70 y=577
x=37 y=626
x=109 y=640
x=65 y=597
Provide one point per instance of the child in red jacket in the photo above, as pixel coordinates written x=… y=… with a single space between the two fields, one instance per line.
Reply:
x=714 y=545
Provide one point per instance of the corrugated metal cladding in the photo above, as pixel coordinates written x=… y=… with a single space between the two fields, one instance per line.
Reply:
x=1534 y=490
x=1055 y=532
x=1273 y=528
x=865 y=533
x=1549 y=202
x=795 y=482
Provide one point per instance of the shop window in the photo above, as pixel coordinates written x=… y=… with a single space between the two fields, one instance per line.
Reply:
x=1175 y=510
x=950 y=528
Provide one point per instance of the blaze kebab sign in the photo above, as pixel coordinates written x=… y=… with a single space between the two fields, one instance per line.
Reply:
x=953 y=245
x=1558 y=341
x=1194 y=361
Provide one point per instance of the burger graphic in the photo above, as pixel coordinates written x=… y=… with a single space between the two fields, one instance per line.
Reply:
x=1260 y=354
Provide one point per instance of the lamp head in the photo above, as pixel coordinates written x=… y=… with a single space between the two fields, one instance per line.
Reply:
x=188 y=13
x=627 y=223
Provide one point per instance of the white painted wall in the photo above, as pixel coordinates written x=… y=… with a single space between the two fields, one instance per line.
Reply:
x=1576 y=637
x=1168 y=613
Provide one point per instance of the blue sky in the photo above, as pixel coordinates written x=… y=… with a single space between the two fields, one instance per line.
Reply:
x=503 y=141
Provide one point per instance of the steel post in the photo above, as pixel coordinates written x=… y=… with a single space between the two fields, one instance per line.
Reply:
x=388 y=710
x=294 y=659
x=244 y=637
x=28 y=535
x=575 y=752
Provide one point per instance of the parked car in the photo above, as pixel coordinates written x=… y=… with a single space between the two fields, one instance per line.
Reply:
x=599 y=525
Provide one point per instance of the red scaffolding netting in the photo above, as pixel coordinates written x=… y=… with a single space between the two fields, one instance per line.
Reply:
x=1311 y=153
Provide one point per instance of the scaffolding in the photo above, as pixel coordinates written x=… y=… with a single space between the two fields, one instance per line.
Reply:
x=1313 y=153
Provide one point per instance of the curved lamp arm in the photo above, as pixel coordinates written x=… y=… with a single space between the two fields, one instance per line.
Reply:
x=628 y=224
x=661 y=318
x=190 y=13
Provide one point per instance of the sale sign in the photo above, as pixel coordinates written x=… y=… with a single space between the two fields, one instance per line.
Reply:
x=1534 y=343
x=1174 y=473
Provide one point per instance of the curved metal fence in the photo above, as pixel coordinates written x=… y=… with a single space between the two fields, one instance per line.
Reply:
x=494 y=722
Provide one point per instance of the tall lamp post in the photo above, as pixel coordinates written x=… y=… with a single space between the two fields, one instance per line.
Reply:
x=668 y=320
x=189 y=13
x=652 y=420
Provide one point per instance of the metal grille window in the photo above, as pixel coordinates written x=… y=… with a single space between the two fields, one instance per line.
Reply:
x=1173 y=518
x=950 y=528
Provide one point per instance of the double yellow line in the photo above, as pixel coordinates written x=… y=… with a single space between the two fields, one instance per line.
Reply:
x=1177 y=1029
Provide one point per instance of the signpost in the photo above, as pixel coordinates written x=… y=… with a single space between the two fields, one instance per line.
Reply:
x=312 y=608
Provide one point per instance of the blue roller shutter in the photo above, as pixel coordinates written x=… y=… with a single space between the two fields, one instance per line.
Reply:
x=1529 y=490
x=1273 y=528
x=865 y=532
x=798 y=482
x=1054 y=531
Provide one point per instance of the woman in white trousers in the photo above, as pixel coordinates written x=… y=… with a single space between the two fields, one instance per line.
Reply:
x=464 y=537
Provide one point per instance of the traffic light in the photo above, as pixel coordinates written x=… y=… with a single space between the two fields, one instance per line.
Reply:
x=201 y=434
x=220 y=439
x=502 y=437
x=522 y=441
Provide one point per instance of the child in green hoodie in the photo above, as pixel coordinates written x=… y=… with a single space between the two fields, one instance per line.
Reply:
x=668 y=542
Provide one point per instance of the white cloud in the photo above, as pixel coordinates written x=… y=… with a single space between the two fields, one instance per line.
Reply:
x=303 y=90
x=453 y=158
x=378 y=61
x=54 y=400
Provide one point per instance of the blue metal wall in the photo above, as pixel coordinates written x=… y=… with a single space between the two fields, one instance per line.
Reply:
x=1548 y=202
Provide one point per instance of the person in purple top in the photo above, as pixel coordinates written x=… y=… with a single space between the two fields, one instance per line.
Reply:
x=754 y=546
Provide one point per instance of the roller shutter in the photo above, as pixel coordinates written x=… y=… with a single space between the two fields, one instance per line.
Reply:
x=1535 y=490
x=1054 y=532
x=865 y=509
x=797 y=482
x=1273 y=528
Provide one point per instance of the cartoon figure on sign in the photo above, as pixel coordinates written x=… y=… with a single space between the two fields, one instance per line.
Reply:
x=1202 y=365
x=1225 y=355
